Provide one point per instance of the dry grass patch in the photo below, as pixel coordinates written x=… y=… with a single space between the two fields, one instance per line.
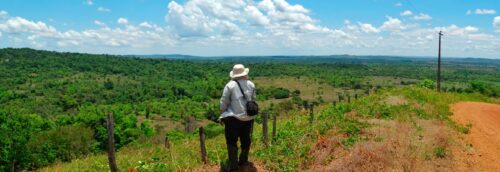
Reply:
x=423 y=145
x=309 y=89
x=396 y=100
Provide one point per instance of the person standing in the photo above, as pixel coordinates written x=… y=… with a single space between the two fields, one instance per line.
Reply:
x=237 y=123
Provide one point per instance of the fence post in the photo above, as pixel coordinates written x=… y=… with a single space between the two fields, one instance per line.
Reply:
x=167 y=143
x=264 y=127
x=203 y=149
x=311 y=113
x=111 y=144
x=274 y=126
x=348 y=98
x=334 y=103
x=187 y=124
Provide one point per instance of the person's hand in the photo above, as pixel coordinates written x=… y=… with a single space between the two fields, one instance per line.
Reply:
x=220 y=122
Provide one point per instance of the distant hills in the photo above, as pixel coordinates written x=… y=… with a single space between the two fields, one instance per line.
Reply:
x=345 y=58
x=328 y=59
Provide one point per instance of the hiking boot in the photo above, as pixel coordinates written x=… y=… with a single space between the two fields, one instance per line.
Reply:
x=245 y=163
x=243 y=157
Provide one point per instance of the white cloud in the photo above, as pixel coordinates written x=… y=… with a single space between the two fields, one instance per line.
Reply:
x=248 y=27
x=146 y=24
x=469 y=12
x=267 y=5
x=496 y=23
x=256 y=16
x=103 y=9
x=3 y=14
x=199 y=18
x=422 y=16
x=392 y=24
x=122 y=20
x=89 y=2
x=457 y=31
x=399 y=4
x=368 y=28
x=481 y=11
x=282 y=5
x=406 y=13
x=485 y=11
x=151 y=26
x=471 y=29
x=99 y=23
x=19 y=25
x=23 y=32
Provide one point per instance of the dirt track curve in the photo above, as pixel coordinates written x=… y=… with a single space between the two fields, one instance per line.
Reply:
x=485 y=132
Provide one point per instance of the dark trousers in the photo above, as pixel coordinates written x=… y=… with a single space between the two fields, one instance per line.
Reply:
x=233 y=130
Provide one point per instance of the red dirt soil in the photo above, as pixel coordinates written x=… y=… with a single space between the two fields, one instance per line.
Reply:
x=485 y=132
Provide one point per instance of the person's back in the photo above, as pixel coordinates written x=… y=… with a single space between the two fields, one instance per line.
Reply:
x=233 y=102
x=237 y=123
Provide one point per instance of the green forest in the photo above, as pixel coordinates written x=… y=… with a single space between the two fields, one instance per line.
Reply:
x=53 y=105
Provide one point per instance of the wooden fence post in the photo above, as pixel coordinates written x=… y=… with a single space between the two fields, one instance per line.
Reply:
x=187 y=124
x=274 y=126
x=311 y=113
x=13 y=166
x=167 y=143
x=334 y=103
x=264 y=127
x=111 y=144
x=348 y=98
x=203 y=149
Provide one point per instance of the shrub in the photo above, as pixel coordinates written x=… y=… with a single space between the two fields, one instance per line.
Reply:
x=213 y=130
x=281 y=93
x=175 y=135
x=440 y=152
x=427 y=83
x=15 y=132
x=63 y=143
x=147 y=129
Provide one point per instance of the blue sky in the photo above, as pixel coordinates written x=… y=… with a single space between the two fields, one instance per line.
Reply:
x=254 y=27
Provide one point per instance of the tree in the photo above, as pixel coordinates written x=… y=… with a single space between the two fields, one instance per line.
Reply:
x=427 y=83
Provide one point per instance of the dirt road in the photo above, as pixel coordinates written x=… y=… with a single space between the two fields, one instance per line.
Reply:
x=485 y=132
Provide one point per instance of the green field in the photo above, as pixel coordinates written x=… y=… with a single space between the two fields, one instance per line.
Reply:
x=53 y=108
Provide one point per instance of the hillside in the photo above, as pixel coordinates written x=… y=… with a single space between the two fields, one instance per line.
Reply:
x=53 y=107
x=397 y=129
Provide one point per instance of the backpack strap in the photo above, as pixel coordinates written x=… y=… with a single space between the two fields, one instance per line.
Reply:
x=239 y=86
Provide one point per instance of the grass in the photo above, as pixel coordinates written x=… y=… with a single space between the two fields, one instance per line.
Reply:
x=440 y=152
x=414 y=126
x=286 y=153
x=309 y=88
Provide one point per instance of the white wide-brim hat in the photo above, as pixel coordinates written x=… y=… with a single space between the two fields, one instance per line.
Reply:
x=238 y=71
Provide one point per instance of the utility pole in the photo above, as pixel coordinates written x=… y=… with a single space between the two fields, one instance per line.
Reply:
x=439 y=64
